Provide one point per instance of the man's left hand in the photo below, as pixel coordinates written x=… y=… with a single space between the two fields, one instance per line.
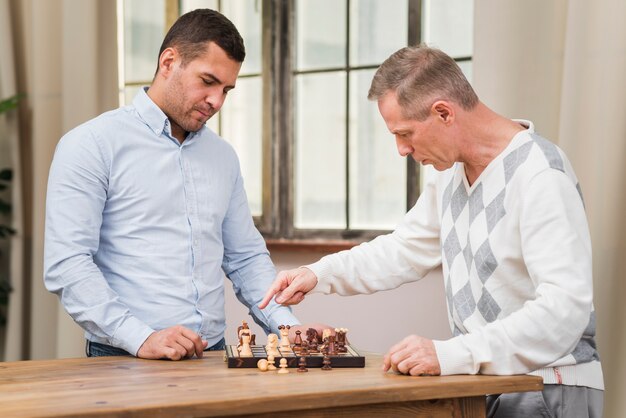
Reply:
x=415 y=356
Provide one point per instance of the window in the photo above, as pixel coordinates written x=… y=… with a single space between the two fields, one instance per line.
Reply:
x=316 y=157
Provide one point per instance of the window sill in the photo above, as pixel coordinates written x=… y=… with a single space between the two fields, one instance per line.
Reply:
x=309 y=245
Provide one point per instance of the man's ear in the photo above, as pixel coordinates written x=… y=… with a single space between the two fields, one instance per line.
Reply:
x=443 y=111
x=166 y=60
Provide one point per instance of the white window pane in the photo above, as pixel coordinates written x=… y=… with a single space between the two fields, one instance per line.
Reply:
x=320 y=34
x=129 y=94
x=466 y=67
x=320 y=154
x=241 y=126
x=377 y=29
x=377 y=172
x=246 y=16
x=144 y=29
x=449 y=25
x=189 y=5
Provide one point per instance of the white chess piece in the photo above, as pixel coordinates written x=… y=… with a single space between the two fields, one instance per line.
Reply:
x=284 y=344
x=245 y=351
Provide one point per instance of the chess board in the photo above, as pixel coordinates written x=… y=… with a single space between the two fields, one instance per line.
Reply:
x=351 y=358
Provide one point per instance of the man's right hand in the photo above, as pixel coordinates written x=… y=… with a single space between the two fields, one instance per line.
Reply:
x=290 y=287
x=174 y=343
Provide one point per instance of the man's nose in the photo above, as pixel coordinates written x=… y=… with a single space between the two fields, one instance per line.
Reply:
x=215 y=99
x=404 y=149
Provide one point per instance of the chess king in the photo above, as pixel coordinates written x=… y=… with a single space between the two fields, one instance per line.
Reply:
x=503 y=216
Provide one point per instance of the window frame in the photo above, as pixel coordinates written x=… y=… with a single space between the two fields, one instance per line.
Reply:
x=278 y=49
x=276 y=221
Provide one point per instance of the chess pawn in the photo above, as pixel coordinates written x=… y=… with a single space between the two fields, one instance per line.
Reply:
x=270 y=362
x=283 y=366
x=302 y=364
x=262 y=365
x=326 y=363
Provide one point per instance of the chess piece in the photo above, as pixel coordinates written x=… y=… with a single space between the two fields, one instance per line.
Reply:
x=245 y=350
x=297 y=342
x=311 y=338
x=341 y=339
x=240 y=329
x=272 y=345
x=331 y=347
x=326 y=363
x=302 y=364
x=270 y=362
x=283 y=366
x=284 y=343
x=262 y=365
x=327 y=332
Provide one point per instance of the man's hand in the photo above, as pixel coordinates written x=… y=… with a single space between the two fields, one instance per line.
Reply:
x=413 y=355
x=290 y=287
x=174 y=343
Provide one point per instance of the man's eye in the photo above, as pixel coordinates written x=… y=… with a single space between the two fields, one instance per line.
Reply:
x=207 y=82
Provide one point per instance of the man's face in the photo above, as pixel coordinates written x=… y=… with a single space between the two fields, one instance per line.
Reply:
x=197 y=91
x=422 y=140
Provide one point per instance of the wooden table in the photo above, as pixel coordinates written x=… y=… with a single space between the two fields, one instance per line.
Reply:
x=130 y=387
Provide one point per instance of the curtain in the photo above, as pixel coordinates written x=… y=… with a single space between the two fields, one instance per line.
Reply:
x=13 y=336
x=67 y=67
x=562 y=64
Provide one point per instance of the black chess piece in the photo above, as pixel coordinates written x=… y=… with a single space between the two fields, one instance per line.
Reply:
x=326 y=363
x=302 y=364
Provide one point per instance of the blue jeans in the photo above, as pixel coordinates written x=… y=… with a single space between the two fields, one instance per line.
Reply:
x=93 y=349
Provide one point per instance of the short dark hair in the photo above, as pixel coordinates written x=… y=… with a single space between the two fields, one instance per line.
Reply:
x=420 y=75
x=191 y=32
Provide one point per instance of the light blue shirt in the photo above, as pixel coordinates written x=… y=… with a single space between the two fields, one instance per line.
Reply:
x=141 y=228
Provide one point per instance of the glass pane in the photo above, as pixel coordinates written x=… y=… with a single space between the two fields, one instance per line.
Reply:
x=440 y=16
x=377 y=29
x=466 y=67
x=246 y=15
x=320 y=155
x=377 y=172
x=320 y=34
x=144 y=29
x=129 y=94
x=189 y=5
x=241 y=126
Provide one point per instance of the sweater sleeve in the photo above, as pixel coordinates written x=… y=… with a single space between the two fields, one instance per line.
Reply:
x=388 y=261
x=556 y=251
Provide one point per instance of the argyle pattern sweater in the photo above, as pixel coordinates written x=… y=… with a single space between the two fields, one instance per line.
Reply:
x=515 y=252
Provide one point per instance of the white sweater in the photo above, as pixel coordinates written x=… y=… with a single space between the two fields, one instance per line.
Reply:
x=516 y=257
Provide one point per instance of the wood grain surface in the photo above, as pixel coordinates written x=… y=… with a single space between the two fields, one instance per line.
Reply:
x=131 y=387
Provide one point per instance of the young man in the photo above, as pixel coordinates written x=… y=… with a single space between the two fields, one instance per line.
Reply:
x=505 y=218
x=146 y=207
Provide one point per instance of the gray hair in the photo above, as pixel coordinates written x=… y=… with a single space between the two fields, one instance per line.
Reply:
x=421 y=75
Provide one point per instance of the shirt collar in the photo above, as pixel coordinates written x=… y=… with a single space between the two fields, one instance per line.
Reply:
x=153 y=116
x=149 y=112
